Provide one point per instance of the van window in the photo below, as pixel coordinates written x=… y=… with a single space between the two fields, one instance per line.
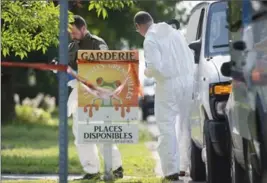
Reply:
x=217 y=32
x=191 y=29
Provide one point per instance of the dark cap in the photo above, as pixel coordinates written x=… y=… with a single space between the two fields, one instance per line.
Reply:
x=142 y=17
x=174 y=22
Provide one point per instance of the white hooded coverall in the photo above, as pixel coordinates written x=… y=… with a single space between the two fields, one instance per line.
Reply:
x=171 y=62
x=88 y=153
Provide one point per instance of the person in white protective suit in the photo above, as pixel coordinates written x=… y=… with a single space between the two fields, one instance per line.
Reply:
x=88 y=153
x=183 y=132
x=171 y=62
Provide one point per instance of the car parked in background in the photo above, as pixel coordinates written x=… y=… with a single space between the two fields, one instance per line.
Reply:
x=247 y=105
x=147 y=102
x=207 y=35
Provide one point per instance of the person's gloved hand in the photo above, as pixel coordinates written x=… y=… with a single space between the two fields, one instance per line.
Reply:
x=70 y=77
x=54 y=62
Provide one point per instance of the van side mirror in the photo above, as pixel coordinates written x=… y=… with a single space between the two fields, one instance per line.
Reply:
x=239 y=45
x=196 y=46
x=226 y=69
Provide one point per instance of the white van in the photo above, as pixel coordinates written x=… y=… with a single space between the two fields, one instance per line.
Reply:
x=207 y=35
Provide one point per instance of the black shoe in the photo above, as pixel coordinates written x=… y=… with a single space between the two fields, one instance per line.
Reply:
x=118 y=173
x=182 y=173
x=173 y=177
x=89 y=176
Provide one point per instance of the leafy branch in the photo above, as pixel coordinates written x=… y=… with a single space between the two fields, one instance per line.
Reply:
x=34 y=25
x=101 y=6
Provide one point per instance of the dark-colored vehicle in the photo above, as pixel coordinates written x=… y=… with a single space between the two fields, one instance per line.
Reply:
x=147 y=102
x=247 y=105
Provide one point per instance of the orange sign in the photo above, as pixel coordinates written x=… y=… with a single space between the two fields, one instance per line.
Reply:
x=115 y=74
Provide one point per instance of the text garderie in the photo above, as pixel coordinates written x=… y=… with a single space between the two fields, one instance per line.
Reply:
x=96 y=55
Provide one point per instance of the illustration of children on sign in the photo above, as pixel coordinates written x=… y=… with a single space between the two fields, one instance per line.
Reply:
x=107 y=102
x=106 y=95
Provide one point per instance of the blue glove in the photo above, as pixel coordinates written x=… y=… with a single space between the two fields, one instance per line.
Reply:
x=70 y=77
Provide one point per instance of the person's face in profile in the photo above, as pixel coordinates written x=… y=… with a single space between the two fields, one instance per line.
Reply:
x=77 y=34
x=140 y=29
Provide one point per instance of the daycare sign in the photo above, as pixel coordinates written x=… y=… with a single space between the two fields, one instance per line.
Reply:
x=116 y=74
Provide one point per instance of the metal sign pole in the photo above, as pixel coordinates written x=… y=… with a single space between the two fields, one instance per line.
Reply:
x=108 y=158
x=63 y=94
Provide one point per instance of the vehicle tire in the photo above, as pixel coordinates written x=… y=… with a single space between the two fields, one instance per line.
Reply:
x=218 y=167
x=197 y=167
x=238 y=172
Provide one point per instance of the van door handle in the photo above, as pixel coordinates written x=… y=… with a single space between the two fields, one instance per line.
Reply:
x=203 y=78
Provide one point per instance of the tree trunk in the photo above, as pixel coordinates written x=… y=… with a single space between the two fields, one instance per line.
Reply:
x=7 y=100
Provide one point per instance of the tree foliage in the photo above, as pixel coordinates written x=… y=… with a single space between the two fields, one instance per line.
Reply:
x=118 y=29
x=34 y=25
x=28 y=27
x=102 y=6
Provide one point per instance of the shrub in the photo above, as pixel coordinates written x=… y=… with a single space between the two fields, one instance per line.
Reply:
x=45 y=102
x=28 y=114
x=48 y=103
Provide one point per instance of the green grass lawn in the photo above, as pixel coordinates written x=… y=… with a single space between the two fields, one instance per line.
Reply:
x=33 y=148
